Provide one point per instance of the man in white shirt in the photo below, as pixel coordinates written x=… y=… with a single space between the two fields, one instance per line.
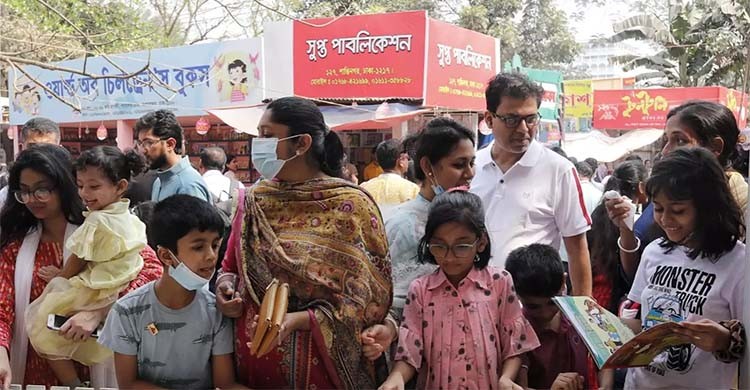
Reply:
x=211 y=165
x=530 y=194
x=591 y=194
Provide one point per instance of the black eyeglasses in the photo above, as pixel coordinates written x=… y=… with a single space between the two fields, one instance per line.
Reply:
x=461 y=251
x=148 y=143
x=512 y=121
x=42 y=194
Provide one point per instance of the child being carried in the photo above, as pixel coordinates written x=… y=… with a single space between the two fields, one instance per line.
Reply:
x=104 y=259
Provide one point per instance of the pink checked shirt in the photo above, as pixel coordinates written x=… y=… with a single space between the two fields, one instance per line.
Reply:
x=458 y=338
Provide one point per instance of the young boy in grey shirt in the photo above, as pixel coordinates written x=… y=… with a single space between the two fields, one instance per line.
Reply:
x=169 y=333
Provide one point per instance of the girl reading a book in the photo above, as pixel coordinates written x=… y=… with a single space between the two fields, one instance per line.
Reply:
x=694 y=275
x=462 y=324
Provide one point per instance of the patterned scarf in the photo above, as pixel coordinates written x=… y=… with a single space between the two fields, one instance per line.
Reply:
x=325 y=237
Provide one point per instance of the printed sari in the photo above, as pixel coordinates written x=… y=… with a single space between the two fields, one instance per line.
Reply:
x=325 y=237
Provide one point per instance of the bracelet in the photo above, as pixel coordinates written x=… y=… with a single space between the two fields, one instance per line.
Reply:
x=226 y=275
x=736 y=342
x=637 y=245
x=389 y=318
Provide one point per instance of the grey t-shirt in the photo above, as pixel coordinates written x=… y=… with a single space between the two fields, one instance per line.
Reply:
x=174 y=347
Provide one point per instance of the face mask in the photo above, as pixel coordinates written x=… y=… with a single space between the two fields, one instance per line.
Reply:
x=436 y=188
x=185 y=277
x=264 y=156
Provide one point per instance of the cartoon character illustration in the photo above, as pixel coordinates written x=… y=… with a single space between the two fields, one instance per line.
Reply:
x=665 y=308
x=238 y=80
x=596 y=315
x=27 y=100
x=235 y=85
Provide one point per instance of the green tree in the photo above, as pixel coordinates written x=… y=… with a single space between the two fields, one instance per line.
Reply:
x=700 y=43
x=109 y=26
x=545 y=38
x=325 y=8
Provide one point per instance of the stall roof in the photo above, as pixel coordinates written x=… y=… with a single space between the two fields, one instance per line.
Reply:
x=605 y=148
x=375 y=116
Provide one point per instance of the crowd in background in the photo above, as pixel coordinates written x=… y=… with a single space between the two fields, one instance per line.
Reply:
x=434 y=268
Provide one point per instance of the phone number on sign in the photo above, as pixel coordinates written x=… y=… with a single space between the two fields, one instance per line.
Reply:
x=362 y=81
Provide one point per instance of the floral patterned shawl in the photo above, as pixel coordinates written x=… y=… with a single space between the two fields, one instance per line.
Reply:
x=325 y=237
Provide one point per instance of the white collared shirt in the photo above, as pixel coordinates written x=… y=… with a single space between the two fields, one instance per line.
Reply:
x=538 y=200
x=218 y=184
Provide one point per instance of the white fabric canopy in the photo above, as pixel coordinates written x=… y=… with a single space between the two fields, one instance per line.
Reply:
x=245 y=119
x=386 y=115
x=605 y=148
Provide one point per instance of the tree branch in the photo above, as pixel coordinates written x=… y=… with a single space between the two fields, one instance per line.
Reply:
x=44 y=87
x=231 y=14
x=84 y=35
x=8 y=58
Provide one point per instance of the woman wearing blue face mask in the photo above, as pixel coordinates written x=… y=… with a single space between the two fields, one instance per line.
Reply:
x=444 y=159
x=320 y=234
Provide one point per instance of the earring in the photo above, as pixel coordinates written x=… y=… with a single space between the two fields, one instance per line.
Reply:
x=476 y=259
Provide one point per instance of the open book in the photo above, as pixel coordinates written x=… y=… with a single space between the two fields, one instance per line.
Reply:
x=611 y=343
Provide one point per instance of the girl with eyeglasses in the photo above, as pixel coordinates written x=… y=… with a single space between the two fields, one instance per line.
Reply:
x=43 y=212
x=463 y=325
x=104 y=258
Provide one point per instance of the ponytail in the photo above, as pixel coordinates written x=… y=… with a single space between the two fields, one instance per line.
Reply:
x=135 y=163
x=333 y=154
x=302 y=116
x=115 y=164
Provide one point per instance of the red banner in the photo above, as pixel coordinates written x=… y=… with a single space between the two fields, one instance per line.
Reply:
x=459 y=64
x=644 y=108
x=737 y=103
x=362 y=56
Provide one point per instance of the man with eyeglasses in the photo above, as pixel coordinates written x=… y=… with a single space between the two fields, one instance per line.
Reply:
x=530 y=194
x=160 y=140
x=35 y=131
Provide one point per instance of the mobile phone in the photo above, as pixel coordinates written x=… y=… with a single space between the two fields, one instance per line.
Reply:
x=55 y=322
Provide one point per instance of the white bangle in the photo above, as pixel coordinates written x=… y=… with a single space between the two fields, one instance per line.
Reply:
x=395 y=326
x=637 y=245
x=225 y=276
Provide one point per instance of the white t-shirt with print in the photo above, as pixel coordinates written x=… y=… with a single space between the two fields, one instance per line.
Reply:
x=672 y=287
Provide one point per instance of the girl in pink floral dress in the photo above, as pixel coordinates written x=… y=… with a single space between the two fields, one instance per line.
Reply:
x=463 y=326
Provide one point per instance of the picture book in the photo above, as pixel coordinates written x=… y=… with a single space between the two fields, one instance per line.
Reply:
x=611 y=343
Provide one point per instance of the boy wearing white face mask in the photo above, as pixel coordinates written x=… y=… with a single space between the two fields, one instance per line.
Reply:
x=169 y=333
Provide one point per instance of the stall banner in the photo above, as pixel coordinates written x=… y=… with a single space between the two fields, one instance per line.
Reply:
x=552 y=83
x=579 y=99
x=367 y=56
x=613 y=83
x=460 y=62
x=737 y=102
x=643 y=108
x=185 y=80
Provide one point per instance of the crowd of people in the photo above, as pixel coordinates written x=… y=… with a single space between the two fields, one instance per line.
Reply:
x=439 y=270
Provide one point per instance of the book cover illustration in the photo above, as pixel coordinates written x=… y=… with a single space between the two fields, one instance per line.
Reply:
x=611 y=343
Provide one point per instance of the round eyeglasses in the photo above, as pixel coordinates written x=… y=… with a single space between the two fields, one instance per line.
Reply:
x=459 y=250
x=39 y=194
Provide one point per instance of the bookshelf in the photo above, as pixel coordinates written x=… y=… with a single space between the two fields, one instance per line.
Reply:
x=358 y=145
x=76 y=140
x=233 y=143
